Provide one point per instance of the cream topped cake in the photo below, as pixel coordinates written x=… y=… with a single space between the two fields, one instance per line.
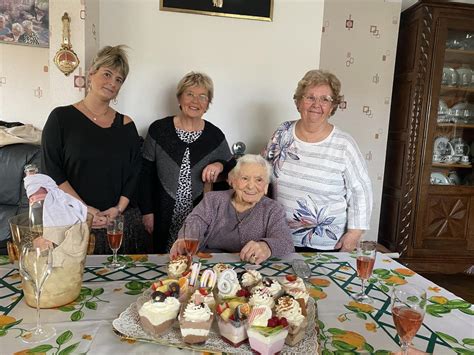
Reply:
x=294 y=311
x=266 y=334
x=195 y=321
x=251 y=278
x=158 y=314
x=273 y=286
x=179 y=266
x=261 y=296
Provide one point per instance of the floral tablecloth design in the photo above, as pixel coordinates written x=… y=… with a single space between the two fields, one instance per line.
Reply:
x=345 y=326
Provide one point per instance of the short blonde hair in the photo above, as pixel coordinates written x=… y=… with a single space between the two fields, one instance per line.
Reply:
x=196 y=79
x=319 y=77
x=111 y=57
x=251 y=159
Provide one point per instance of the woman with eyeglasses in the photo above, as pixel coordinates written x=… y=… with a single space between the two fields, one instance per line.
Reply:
x=319 y=173
x=180 y=153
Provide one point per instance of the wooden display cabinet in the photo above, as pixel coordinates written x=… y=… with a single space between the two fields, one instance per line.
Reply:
x=427 y=211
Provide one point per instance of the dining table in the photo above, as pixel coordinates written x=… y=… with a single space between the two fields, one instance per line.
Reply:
x=343 y=325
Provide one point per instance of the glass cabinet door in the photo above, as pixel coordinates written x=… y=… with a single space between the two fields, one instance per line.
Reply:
x=453 y=143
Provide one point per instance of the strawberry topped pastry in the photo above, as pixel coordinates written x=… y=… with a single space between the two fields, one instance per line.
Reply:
x=159 y=314
x=294 y=311
x=273 y=286
x=228 y=284
x=231 y=320
x=251 y=278
x=195 y=321
x=266 y=334
x=292 y=282
x=261 y=296
x=178 y=266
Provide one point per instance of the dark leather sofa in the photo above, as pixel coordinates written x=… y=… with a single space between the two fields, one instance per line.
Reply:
x=13 y=200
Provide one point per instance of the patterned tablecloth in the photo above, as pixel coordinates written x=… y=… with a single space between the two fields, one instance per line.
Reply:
x=346 y=327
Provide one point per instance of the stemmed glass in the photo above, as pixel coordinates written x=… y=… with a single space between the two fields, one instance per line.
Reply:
x=115 y=236
x=36 y=264
x=191 y=237
x=408 y=310
x=366 y=253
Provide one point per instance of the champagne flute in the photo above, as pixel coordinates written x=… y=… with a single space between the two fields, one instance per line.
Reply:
x=366 y=252
x=408 y=310
x=36 y=264
x=114 y=237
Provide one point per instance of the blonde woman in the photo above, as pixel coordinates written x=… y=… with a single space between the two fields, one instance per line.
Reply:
x=93 y=151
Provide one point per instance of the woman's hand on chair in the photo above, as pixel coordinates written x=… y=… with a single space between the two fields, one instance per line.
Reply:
x=211 y=172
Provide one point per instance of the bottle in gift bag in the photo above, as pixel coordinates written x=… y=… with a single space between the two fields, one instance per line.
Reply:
x=36 y=201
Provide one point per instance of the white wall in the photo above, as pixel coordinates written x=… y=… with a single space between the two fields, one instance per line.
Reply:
x=255 y=65
x=364 y=62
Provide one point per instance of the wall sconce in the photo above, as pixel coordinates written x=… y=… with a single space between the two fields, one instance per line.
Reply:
x=66 y=59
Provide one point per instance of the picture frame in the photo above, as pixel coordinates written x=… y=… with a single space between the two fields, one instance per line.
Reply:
x=24 y=22
x=261 y=10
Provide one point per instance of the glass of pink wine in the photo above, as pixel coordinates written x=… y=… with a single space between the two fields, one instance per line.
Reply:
x=114 y=237
x=366 y=253
x=408 y=311
x=191 y=237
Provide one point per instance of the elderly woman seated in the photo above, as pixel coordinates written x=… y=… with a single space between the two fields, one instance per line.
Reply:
x=242 y=219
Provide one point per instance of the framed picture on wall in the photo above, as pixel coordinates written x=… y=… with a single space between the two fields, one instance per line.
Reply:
x=24 y=22
x=246 y=9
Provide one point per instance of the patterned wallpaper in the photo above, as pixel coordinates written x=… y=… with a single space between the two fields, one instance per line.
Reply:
x=359 y=40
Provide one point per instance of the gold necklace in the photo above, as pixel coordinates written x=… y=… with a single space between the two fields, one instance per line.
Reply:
x=95 y=115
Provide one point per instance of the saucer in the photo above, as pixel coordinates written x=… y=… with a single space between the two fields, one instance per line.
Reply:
x=439 y=179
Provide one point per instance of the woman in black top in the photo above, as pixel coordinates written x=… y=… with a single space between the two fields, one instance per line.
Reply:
x=93 y=152
x=180 y=153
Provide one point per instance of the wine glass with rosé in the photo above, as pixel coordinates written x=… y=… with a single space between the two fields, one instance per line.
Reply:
x=191 y=236
x=115 y=237
x=408 y=311
x=366 y=253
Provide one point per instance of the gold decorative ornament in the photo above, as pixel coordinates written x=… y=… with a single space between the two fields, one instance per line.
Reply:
x=66 y=59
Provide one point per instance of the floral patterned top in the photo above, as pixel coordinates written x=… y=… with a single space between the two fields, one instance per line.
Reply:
x=324 y=186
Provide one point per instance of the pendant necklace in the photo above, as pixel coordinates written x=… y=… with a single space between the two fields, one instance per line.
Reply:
x=239 y=219
x=95 y=115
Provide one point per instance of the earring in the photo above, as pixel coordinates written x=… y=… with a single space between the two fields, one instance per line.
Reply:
x=114 y=100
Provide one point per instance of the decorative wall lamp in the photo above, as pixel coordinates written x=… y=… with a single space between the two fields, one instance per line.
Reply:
x=66 y=59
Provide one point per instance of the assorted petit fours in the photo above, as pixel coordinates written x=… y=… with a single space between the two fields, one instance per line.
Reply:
x=231 y=321
x=251 y=278
x=195 y=320
x=294 y=311
x=227 y=284
x=159 y=314
x=178 y=266
x=266 y=334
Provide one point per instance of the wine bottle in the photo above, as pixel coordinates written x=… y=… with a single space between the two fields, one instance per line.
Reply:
x=36 y=201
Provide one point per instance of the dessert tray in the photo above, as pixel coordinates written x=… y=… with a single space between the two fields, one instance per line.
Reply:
x=128 y=326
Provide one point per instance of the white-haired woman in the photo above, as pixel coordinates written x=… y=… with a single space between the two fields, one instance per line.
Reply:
x=29 y=36
x=242 y=219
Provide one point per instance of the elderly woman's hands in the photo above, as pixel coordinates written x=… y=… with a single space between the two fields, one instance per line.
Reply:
x=178 y=248
x=348 y=241
x=211 y=172
x=255 y=252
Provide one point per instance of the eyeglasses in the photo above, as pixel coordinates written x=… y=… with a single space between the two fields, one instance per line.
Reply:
x=191 y=96
x=324 y=100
